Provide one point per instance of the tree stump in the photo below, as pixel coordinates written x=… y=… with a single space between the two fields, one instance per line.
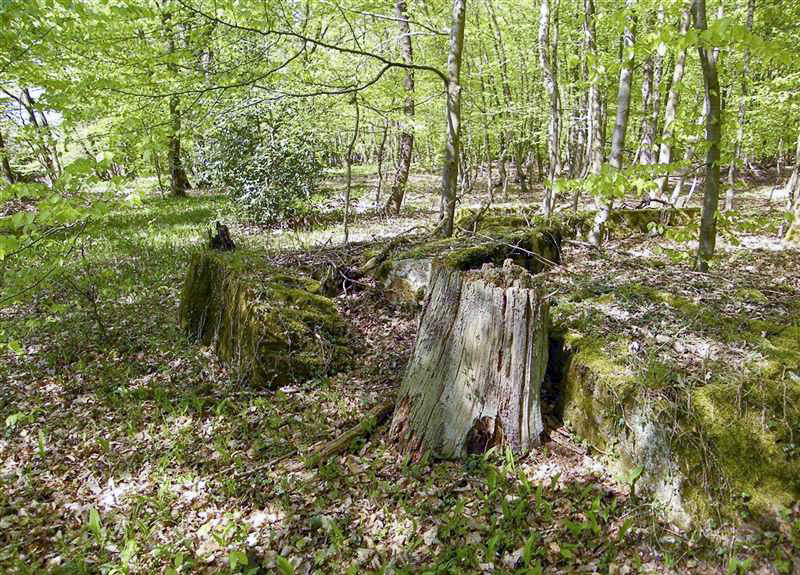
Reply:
x=476 y=371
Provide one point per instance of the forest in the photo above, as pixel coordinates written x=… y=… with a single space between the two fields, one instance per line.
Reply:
x=398 y=287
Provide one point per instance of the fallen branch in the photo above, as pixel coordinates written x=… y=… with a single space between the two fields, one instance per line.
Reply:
x=272 y=463
x=375 y=417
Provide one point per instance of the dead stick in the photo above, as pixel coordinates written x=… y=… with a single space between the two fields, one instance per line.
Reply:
x=374 y=417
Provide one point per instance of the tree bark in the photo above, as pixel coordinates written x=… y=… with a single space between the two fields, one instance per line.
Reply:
x=179 y=182
x=477 y=367
x=658 y=71
x=548 y=53
x=645 y=155
x=594 y=113
x=671 y=108
x=7 y=170
x=407 y=136
x=708 y=222
x=349 y=162
x=447 y=205
x=737 y=154
x=620 y=124
x=381 y=151
x=514 y=147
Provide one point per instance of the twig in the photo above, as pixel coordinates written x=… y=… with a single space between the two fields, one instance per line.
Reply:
x=247 y=472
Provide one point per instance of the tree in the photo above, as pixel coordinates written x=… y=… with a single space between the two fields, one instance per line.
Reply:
x=621 y=122
x=548 y=56
x=671 y=108
x=708 y=223
x=447 y=205
x=407 y=135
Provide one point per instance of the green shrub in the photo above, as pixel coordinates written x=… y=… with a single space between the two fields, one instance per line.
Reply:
x=271 y=172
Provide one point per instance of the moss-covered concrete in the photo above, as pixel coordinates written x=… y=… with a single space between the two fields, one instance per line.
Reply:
x=273 y=327
x=708 y=447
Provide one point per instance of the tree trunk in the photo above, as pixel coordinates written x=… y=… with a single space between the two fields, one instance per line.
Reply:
x=658 y=72
x=381 y=150
x=407 y=136
x=671 y=108
x=447 y=205
x=548 y=60
x=737 y=154
x=793 y=198
x=40 y=145
x=477 y=367
x=708 y=222
x=595 y=144
x=7 y=170
x=514 y=147
x=349 y=163
x=645 y=155
x=179 y=182
x=620 y=124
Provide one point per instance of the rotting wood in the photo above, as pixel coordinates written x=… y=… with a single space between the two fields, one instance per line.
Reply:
x=475 y=374
x=319 y=455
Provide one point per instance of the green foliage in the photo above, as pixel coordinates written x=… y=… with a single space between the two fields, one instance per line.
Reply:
x=271 y=171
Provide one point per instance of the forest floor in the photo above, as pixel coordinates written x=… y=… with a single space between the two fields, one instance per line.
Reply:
x=125 y=448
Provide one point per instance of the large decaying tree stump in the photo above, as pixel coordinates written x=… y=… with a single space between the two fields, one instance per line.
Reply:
x=476 y=371
x=273 y=328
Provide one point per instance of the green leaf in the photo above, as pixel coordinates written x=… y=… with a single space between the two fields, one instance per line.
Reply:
x=284 y=566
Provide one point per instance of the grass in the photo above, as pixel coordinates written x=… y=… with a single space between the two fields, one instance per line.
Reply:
x=121 y=441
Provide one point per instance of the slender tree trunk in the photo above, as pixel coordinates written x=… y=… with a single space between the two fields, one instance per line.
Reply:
x=381 y=150
x=645 y=155
x=548 y=53
x=7 y=170
x=515 y=148
x=179 y=182
x=349 y=163
x=593 y=106
x=40 y=145
x=658 y=71
x=407 y=136
x=708 y=223
x=447 y=205
x=671 y=108
x=620 y=124
x=675 y=198
x=737 y=154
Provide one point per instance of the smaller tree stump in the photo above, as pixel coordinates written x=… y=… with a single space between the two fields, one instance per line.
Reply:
x=476 y=371
x=222 y=240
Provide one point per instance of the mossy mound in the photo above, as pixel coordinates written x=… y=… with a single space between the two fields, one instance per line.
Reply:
x=273 y=327
x=710 y=439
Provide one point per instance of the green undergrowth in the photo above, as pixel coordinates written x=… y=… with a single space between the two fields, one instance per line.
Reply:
x=127 y=448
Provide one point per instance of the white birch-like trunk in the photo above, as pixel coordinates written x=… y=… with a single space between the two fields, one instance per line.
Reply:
x=620 y=124
x=447 y=205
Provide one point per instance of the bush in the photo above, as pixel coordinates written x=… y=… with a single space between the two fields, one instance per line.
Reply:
x=272 y=173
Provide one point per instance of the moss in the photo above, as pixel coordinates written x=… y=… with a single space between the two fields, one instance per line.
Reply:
x=744 y=449
x=733 y=439
x=272 y=326
x=597 y=387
